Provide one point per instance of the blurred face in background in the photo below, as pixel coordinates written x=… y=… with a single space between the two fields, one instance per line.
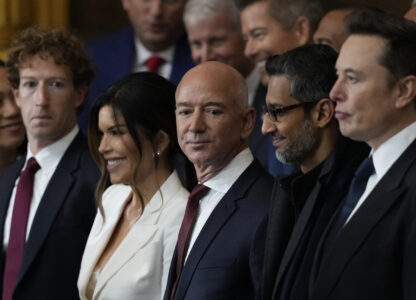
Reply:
x=264 y=36
x=215 y=38
x=157 y=23
x=332 y=30
x=12 y=131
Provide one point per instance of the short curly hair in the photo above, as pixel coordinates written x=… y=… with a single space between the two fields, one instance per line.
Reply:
x=65 y=48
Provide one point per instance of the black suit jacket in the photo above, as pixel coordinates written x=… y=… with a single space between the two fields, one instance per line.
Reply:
x=225 y=261
x=52 y=256
x=288 y=220
x=374 y=256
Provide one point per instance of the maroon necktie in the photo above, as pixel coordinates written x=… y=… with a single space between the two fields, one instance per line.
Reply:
x=154 y=63
x=17 y=238
x=185 y=232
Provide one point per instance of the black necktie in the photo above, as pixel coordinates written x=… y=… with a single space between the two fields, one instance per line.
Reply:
x=357 y=188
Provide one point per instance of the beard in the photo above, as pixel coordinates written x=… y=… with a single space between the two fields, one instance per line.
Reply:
x=301 y=145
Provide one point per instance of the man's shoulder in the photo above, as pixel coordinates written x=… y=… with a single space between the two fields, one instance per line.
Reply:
x=256 y=183
x=112 y=40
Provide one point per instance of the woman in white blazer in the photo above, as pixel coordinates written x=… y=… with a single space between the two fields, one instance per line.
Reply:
x=132 y=137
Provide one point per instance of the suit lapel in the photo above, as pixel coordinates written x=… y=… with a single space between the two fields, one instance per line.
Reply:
x=224 y=210
x=138 y=237
x=6 y=189
x=380 y=200
x=56 y=193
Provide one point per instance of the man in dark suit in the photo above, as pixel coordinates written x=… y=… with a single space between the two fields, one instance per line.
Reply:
x=223 y=255
x=44 y=232
x=368 y=251
x=300 y=117
x=157 y=32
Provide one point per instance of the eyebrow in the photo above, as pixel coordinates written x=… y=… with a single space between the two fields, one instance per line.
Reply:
x=210 y=103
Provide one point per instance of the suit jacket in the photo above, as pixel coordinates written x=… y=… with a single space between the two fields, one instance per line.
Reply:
x=57 y=238
x=374 y=255
x=288 y=220
x=225 y=260
x=138 y=268
x=114 y=57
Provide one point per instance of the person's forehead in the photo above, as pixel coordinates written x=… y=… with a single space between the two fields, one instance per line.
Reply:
x=361 y=48
x=212 y=24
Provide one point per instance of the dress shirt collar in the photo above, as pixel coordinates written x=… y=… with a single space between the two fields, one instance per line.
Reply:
x=143 y=54
x=49 y=157
x=385 y=156
x=227 y=176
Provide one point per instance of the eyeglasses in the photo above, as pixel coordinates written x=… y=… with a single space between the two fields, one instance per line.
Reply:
x=276 y=113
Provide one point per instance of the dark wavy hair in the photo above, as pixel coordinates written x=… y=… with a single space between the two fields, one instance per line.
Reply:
x=146 y=101
x=65 y=48
x=310 y=68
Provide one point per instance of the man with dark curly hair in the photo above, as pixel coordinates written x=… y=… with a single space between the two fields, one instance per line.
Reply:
x=47 y=198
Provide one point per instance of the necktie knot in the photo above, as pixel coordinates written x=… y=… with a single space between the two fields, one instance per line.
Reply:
x=198 y=192
x=32 y=165
x=366 y=169
x=154 y=63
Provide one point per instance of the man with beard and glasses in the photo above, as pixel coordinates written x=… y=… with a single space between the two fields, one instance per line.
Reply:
x=300 y=117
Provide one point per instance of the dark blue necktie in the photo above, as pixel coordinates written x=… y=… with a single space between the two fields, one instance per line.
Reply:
x=357 y=188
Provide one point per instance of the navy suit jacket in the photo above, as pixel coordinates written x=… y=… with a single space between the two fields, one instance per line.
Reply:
x=226 y=260
x=114 y=57
x=288 y=219
x=374 y=256
x=52 y=257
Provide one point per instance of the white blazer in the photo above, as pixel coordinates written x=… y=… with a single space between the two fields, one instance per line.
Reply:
x=139 y=267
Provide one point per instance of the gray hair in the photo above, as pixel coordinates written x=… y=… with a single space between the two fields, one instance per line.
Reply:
x=286 y=12
x=199 y=10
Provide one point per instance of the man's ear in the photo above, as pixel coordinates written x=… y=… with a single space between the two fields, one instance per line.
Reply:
x=303 y=31
x=323 y=112
x=248 y=120
x=406 y=92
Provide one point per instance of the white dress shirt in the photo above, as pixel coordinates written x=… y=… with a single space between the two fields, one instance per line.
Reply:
x=48 y=159
x=219 y=186
x=384 y=157
x=142 y=55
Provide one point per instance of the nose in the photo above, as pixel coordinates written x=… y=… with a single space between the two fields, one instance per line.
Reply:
x=10 y=109
x=41 y=95
x=336 y=92
x=104 y=145
x=197 y=122
x=203 y=54
x=267 y=126
x=156 y=7
x=250 y=50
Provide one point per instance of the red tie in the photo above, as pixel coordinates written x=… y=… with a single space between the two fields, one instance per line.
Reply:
x=18 y=226
x=154 y=63
x=185 y=232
